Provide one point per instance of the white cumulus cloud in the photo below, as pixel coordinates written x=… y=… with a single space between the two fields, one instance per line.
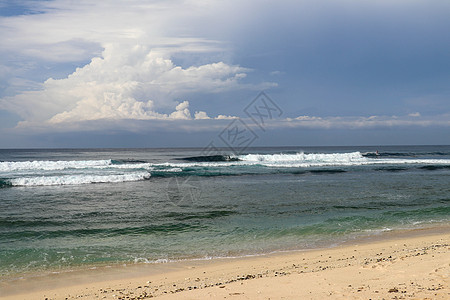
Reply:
x=131 y=70
x=201 y=115
x=124 y=83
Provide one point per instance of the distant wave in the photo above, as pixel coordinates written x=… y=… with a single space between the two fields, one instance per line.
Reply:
x=128 y=161
x=44 y=173
x=435 y=167
x=306 y=160
x=41 y=173
x=77 y=179
x=51 y=165
x=272 y=160
x=404 y=154
x=302 y=157
x=47 y=165
x=207 y=158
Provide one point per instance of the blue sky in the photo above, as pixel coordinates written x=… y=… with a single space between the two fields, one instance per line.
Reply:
x=177 y=73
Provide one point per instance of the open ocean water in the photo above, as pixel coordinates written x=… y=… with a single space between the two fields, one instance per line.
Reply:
x=64 y=209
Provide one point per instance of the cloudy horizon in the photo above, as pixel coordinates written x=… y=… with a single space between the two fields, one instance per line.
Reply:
x=176 y=73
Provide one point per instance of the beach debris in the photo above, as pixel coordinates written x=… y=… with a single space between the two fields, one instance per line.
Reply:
x=393 y=290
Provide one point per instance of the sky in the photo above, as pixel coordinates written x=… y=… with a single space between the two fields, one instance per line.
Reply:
x=173 y=73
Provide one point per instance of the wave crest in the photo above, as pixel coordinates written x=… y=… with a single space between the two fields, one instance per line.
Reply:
x=77 y=179
x=47 y=165
x=302 y=157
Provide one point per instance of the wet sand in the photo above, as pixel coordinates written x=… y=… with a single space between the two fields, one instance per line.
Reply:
x=405 y=265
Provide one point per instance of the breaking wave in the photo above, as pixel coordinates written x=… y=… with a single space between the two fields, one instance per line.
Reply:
x=41 y=173
x=311 y=159
x=207 y=158
x=78 y=179
x=44 y=173
x=301 y=160
x=51 y=165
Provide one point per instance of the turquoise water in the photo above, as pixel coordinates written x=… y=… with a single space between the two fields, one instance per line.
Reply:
x=61 y=209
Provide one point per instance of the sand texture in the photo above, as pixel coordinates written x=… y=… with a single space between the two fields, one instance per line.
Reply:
x=411 y=267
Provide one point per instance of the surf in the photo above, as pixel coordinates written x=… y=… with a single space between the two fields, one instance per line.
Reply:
x=73 y=172
x=77 y=179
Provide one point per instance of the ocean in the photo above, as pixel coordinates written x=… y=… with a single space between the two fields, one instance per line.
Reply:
x=65 y=209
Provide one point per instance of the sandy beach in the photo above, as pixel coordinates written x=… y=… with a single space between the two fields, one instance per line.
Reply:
x=408 y=265
x=203 y=149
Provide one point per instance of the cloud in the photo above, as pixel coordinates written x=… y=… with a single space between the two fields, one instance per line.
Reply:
x=364 y=122
x=152 y=59
x=124 y=83
x=180 y=121
x=224 y=117
x=127 y=60
x=61 y=31
x=201 y=115
x=182 y=112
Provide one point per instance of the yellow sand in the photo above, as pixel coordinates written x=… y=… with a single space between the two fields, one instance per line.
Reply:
x=404 y=267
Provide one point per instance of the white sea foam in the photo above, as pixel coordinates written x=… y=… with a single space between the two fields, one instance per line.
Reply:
x=33 y=173
x=302 y=160
x=46 y=165
x=305 y=160
x=302 y=157
x=174 y=170
x=268 y=160
x=78 y=179
x=147 y=166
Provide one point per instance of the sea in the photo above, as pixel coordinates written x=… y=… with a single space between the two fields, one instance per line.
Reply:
x=66 y=209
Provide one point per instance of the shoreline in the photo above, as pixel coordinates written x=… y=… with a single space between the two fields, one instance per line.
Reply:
x=377 y=235
x=184 y=278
